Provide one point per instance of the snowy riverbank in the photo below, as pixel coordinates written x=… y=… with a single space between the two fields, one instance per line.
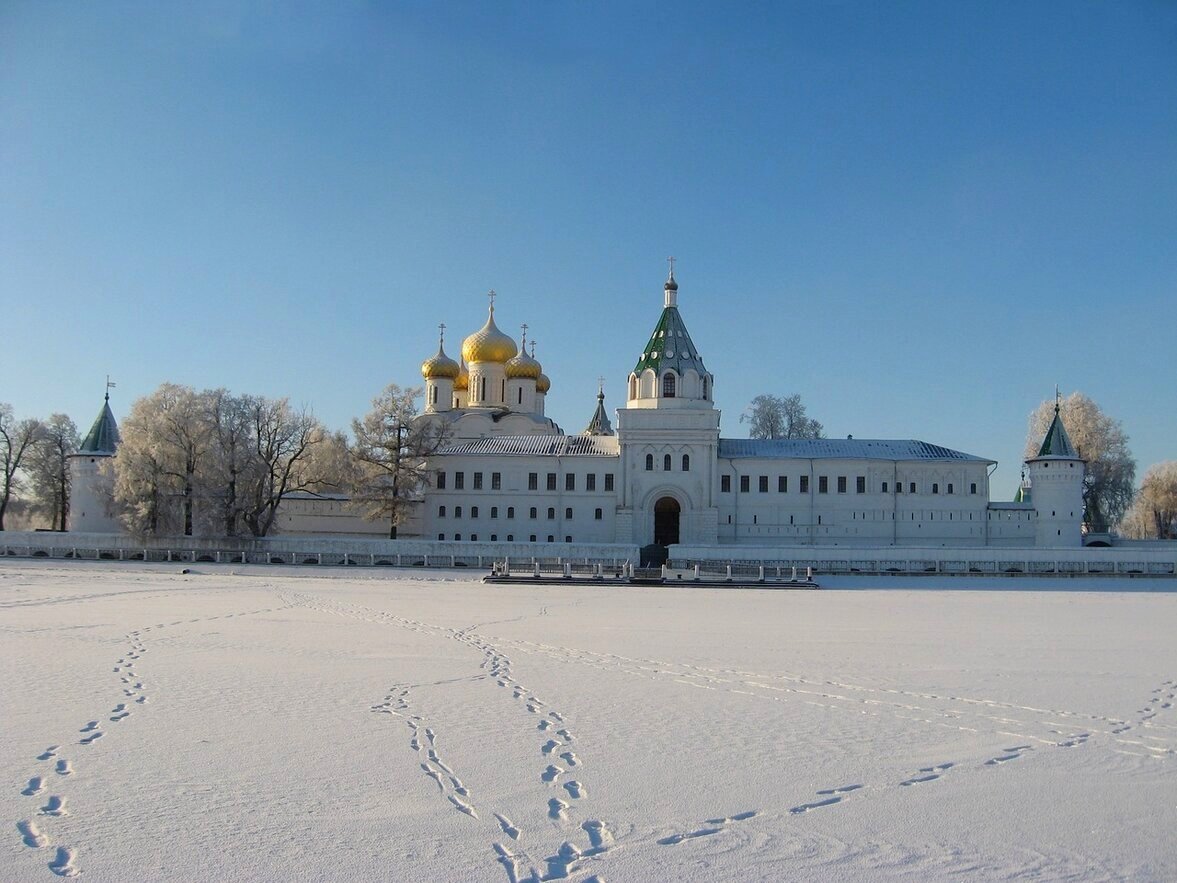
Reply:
x=277 y=723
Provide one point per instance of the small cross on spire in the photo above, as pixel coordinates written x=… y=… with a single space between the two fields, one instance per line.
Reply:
x=491 y=294
x=670 y=260
x=524 y=327
x=1056 y=398
x=441 y=328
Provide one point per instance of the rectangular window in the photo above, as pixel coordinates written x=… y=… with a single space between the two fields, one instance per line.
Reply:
x=551 y=513
x=782 y=484
x=441 y=479
x=533 y=481
x=884 y=487
x=570 y=481
x=598 y=514
x=950 y=488
x=457 y=512
x=911 y=487
x=608 y=481
x=510 y=511
x=459 y=480
x=823 y=484
x=860 y=484
x=534 y=512
x=568 y=514
x=804 y=484
x=841 y=484
x=496 y=481
x=763 y=484
x=477 y=481
x=494 y=511
x=590 y=481
x=551 y=481
x=441 y=511
x=745 y=483
x=725 y=484
x=973 y=487
x=473 y=511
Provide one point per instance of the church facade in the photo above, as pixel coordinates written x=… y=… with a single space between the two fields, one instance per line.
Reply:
x=666 y=476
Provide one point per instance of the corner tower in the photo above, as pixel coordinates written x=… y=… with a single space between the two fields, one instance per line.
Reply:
x=91 y=486
x=669 y=437
x=1056 y=487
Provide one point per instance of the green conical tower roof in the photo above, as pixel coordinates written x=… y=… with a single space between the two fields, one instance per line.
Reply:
x=1057 y=443
x=103 y=436
x=600 y=424
x=670 y=346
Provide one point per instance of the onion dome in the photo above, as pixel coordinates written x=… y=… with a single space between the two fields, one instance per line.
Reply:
x=523 y=365
x=542 y=382
x=488 y=344
x=462 y=381
x=440 y=365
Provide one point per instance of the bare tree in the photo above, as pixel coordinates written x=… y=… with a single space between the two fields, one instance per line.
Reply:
x=17 y=439
x=230 y=420
x=1102 y=442
x=48 y=469
x=391 y=451
x=281 y=464
x=772 y=416
x=1154 y=512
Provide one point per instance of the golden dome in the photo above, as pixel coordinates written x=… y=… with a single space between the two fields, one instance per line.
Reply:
x=542 y=383
x=488 y=344
x=440 y=366
x=462 y=381
x=523 y=365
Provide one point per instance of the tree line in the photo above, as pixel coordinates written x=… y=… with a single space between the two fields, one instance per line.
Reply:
x=212 y=463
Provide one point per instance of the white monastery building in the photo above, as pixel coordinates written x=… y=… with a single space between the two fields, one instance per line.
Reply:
x=666 y=476
x=508 y=473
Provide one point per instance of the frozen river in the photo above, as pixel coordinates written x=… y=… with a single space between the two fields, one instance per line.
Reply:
x=302 y=724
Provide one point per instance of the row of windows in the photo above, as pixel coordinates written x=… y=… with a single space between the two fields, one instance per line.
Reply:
x=668 y=463
x=881 y=516
x=598 y=514
x=496 y=481
x=823 y=485
x=494 y=538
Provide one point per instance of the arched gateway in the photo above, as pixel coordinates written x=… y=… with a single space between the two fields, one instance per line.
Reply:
x=666 y=515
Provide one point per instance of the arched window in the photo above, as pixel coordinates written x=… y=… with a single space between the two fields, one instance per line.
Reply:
x=482 y=389
x=568 y=514
x=704 y=387
x=534 y=513
x=935 y=487
x=598 y=514
x=551 y=513
x=649 y=462
x=686 y=462
x=633 y=386
x=666 y=463
x=668 y=385
x=441 y=511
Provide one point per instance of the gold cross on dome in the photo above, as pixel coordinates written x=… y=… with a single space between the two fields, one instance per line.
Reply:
x=441 y=328
x=524 y=327
x=491 y=294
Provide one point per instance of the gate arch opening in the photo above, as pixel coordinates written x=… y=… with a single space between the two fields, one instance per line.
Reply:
x=666 y=519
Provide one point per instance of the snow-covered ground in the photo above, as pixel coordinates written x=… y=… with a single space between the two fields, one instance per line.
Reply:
x=303 y=724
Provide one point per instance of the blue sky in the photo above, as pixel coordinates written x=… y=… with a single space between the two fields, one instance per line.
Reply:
x=920 y=216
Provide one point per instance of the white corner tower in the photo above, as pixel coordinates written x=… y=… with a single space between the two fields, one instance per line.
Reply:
x=91 y=486
x=1056 y=488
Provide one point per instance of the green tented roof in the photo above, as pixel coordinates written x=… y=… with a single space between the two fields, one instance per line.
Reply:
x=670 y=346
x=1056 y=443
x=103 y=436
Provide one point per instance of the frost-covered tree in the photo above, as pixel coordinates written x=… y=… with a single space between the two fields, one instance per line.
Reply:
x=165 y=441
x=48 y=469
x=391 y=450
x=17 y=440
x=1154 y=512
x=1102 y=442
x=772 y=416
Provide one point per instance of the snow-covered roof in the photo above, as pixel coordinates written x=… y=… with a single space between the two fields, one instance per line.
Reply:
x=542 y=445
x=839 y=448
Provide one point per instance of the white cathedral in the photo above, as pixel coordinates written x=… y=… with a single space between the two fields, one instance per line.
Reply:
x=508 y=474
